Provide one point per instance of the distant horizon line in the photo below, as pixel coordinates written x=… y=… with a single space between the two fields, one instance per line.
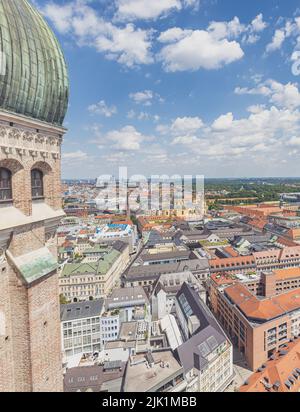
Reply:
x=207 y=178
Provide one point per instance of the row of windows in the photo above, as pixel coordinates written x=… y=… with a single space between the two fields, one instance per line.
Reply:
x=6 y=192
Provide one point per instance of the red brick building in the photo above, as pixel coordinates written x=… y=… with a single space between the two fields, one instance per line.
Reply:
x=258 y=326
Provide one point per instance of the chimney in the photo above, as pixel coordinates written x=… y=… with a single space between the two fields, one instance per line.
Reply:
x=193 y=324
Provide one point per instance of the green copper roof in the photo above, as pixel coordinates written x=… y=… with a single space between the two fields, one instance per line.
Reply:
x=35 y=265
x=100 y=267
x=35 y=83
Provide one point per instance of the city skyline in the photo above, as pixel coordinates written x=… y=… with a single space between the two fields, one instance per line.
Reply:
x=183 y=87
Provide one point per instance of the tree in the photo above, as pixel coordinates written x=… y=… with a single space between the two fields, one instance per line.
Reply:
x=62 y=299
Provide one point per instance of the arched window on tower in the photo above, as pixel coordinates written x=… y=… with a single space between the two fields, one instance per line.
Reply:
x=5 y=185
x=37 y=184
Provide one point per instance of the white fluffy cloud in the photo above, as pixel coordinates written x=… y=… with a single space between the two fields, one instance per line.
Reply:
x=277 y=41
x=234 y=29
x=79 y=155
x=197 y=49
x=132 y=114
x=126 y=139
x=224 y=122
x=254 y=29
x=263 y=131
x=212 y=48
x=131 y=46
x=290 y=29
x=130 y=10
x=128 y=45
x=145 y=97
x=282 y=95
x=102 y=109
x=182 y=127
x=145 y=9
x=186 y=125
x=294 y=141
x=258 y=24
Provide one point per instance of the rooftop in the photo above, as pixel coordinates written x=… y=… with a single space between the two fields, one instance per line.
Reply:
x=281 y=373
x=265 y=309
x=128 y=331
x=207 y=327
x=144 y=272
x=122 y=297
x=284 y=274
x=97 y=268
x=142 y=378
x=227 y=279
x=92 y=378
x=81 y=310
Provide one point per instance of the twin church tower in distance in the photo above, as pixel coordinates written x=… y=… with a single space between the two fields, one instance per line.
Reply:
x=34 y=92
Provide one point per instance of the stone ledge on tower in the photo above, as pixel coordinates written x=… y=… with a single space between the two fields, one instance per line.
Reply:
x=12 y=217
x=33 y=266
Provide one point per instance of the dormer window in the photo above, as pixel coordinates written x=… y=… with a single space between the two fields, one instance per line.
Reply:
x=5 y=185
x=37 y=184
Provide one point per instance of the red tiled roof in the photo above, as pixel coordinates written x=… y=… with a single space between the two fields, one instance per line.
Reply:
x=258 y=223
x=286 y=242
x=283 y=274
x=277 y=372
x=231 y=251
x=231 y=262
x=264 y=309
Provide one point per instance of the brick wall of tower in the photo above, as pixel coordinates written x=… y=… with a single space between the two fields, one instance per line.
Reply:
x=27 y=239
x=20 y=333
x=45 y=336
x=30 y=352
x=269 y=284
x=15 y=344
x=6 y=350
x=22 y=150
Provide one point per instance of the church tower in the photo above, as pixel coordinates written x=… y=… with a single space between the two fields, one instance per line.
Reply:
x=34 y=92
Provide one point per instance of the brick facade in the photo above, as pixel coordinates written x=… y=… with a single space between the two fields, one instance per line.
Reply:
x=30 y=353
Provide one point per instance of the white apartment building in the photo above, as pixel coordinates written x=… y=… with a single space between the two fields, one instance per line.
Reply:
x=114 y=231
x=81 y=327
x=110 y=326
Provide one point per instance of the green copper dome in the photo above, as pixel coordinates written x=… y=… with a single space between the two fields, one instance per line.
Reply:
x=35 y=82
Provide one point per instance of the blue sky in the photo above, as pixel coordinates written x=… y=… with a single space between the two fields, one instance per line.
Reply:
x=180 y=86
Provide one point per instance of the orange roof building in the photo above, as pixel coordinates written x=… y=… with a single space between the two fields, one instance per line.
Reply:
x=294 y=234
x=262 y=309
x=282 y=241
x=258 y=223
x=232 y=252
x=255 y=211
x=281 y=373
x=284 y=274
x=259 y=326
x=236 y=264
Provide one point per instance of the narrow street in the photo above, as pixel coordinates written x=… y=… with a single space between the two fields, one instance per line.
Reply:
x=242 y=373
